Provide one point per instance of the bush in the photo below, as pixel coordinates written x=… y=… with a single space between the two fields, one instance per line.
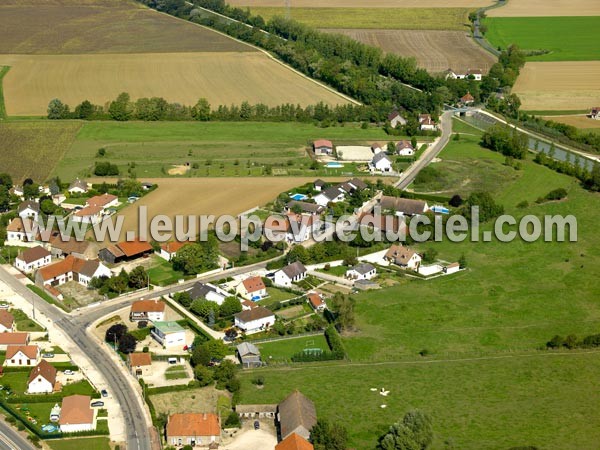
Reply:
x=556 y=194
x=105 y=169
x=232 y=421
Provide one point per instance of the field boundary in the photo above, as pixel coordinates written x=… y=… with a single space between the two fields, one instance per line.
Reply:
x=3 y=71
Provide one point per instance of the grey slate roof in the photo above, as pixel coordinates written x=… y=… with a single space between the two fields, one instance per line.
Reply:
x=294 y=269
x=380 y=156
x=404 y=205
x=29 y=204
x=296 y=411
x=363 y=268
x=247 y=349
x=200 y=290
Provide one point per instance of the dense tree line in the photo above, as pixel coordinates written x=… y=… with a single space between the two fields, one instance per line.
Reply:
x=413 y=432
x=506 y=140
x=589 y=179
x=563 y=133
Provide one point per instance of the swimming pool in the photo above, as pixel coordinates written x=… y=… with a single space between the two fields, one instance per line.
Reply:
x=440 y=209
x=298 y=197
x=334 y=165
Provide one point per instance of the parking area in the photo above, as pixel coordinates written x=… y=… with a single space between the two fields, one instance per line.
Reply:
x=250 y=439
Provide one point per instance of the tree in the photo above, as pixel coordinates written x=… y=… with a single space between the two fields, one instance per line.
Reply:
x=344 y=309
x=138 y=278
x=203 y=375
x=127 y=343
x=429 y=255
x=57 y=110
x=456 y=201
x=200 y=356
x=47 y=206
x=462 y=261
x=115 y=332
x=414 y=432
x=121 y=108
x=488 y=208
x=225 y=372
x=197 y=258
x=6 y=180
x=231 y=334
x=297 y=253
x=183 y=298
x=201 y=110
x=230 y=306
x=327 y=436
x=203 y=307
x=84 y=110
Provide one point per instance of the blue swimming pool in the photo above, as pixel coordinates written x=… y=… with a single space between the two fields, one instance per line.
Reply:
x=298 y=197
x=440 y=209
x=334 y=165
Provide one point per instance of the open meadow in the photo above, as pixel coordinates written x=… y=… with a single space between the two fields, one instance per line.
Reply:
x=434 y=50
x=559 y=85
x=576 y=40
x=545 y=8
x=368 y=3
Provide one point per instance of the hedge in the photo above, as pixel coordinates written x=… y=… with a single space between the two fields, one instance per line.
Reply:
x=335 y=342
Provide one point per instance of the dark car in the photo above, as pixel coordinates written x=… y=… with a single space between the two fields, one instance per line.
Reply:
x=256 y=425
x=104 y=393
x=97 y=404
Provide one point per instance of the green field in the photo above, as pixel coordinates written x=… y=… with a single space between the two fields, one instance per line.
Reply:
x=95 y=443
x=162 y=273
x=3 y=71
x=210 y=149
x=375 y=18
x=280 y=351
x=567 y=38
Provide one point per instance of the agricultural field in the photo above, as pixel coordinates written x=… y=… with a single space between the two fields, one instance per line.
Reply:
x=559 y=85
x=163 y=149
x=220 y=77
x=444 y=49
x=576 y=40
x=376 y=18
x=24 y=144
x=537 y=8
x=368 y=3
x=578 y=121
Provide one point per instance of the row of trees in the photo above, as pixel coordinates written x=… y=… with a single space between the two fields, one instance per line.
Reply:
x=506 y=140
x=589 y=179
x=113 y=286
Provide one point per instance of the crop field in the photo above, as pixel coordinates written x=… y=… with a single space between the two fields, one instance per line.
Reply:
x=559 y=85
x=434 y=50
x=578 y=121
x=206 y=149
x=566 y=38
x=376 y=18
x=482 y=331
x=537 y=8
x=222 y=78
x=24 y=144
x=368 y=3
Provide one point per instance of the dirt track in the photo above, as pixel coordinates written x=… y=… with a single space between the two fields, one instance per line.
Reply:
x=546 y=8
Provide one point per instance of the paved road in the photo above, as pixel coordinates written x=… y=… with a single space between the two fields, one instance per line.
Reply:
x=10 y=439
x=409 y=175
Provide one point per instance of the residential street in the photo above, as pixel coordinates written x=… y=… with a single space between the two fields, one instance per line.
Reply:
x=10 y=439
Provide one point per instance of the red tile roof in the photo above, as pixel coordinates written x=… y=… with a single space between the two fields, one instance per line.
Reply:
x=254 y=284
x=148 y=306
x=193 y=424
x=91 y=210
x=315 y=300
x=323 y=143
x=6 y=319
x=76 y=410
x=45 y=370
x=14 y=338
x=294 y=442
x=173 y=247
x=140 y=359
x=134 y=247
x=101 y=200
x=31 y=351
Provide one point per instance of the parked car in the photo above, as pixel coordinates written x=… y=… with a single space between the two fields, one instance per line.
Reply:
x=4 y=305
x=48 y=355
x=256 y=425
x=97 y=404
x=104 y=393
x=69 y=372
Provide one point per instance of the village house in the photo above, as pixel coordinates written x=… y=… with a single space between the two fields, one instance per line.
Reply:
x=11 y=338
x=595 y=113
x=363 y=271
x=140 y=364
x=22 y=355
x=32 y=259
x=292 y=273
x=252 y=288
x=296 y=414
x=467 y=99
x=332 y=194
x=105 y=201
x=7 y=322
x=22 y=230
x=474 y=74
x=249 y=355
x=76 y=414
x=380 y=163
x=152 y=310
x=323 y=147
x=396 y=119
x=29 y=209
x=59 y=198
x=195 y=429
x=169 y=249
x=208 y=291
x=403 y=257
x=89 y=214
x=316 y=302
x=291 y=227
x=254 y=320
x=169 y=334
x=319 y=185
x=71 y=269
x=61 y=246
x=403 y=206
x=383 y=223
x=426 y=123
x=296 y=206
x=42 y=379
x=294 y=442
x=405 y=148
x=78 y=187
x=377 y=148
x=125 y=251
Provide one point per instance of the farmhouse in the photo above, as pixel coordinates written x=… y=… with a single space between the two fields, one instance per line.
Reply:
x=78 y=187
x=61 y=246
x=76 y=414
x=169 y=334
x=296 y=414
x=316 y=302
x=426 y=123
x=254 y=320
x=29 y=210
x=403 y=206
x=294 y=442
x=595 y=113
x=249 y=355
x=169 y=250
x=42 y=379
x=125 y=251
x=32 y=259
x=405 y=148
x=22 y=355
x=22 y=230
x=252 y=288
x=363 y=271
x=381 y=162
x=292 y=273
x=89 y=214
x=403 y=257
x=71 y=268
x=104 y=201
x=322 y=147
x=396 y=119
x=305 y=208
x=8 y=338
x=140 y=364
x=208 y=291
x=7 y=322
x=195 y=429
x=467 y=99
x=152 y=310
x=256 y=411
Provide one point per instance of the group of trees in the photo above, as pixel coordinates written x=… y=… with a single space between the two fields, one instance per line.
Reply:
x=5 y=185
x=488 y=208
x=506 y=140
x=590 y=179
x=208 y=310
x=571 y=341
x=197 y=257
x=113 y=286
x=566 y=134
x=119 y=335
x=413 y=432
x=105 y=169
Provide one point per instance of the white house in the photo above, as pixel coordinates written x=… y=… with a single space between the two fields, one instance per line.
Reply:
x=403 y=206
x=32 y=259
x=252 y=288
x=452 y=268
x=330 y=195
x=140 y=364
x=21 y=230
x=403 y=257
x=104 y=201
x=381 y=162
x=426 y=123
x=169 y=334
x=595 y=113
x=319 y=185
x=76 y=414
x=152 y=310
x=376 y=148
x=69 y=269
x=363 y=271
x=292 y=273
x=42 y=379
x=475 y=74
x=89 y=214
x=316 y=302
x=7 y=322
x=79 y=187
x=208 y=291
x=194 y=430
x=22 y=355
x=405 y=148
x=29 y=209
x=396 y=119
x=254 y=320
x=169 y=249
x=322 y=147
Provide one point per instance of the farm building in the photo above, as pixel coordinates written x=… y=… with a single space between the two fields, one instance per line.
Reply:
x=169 y=334
x=252 y=288
x=71 y=269
x=125 y=251
x=61 y=246
x=403 y=206
x=32 y=259
x=152 y=310
x=249 y=355
x=381 y=163
x=267 y=411
x=254 y=320
x=292 y=273
x=42 y=379
x=363 y=271
x=296 y=414
x=140 y=364
x=294 y=442
x=403 y=257
x=405 y=148
x=323 y=147
x=7 y=322
x=76 y=414
x=396 y=119
x=195 y=429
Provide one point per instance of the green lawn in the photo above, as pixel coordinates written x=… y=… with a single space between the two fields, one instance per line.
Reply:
x=283 y=350
x=163 y=274
x=338 y=271
x=24 y=323
x=94 y=443
x=276 y=295
x=16 y=381
x=211 y=149
x=567 y=38
x=176 y=373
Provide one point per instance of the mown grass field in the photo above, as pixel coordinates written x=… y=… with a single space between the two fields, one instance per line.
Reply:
x=31 y=149
x=567 y=38
x=94 y=443
x=218 y=148
x=482 y=331
x=375 y=18
x=283 y=350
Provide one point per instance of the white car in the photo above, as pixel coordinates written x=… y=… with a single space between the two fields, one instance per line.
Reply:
x=69 y=372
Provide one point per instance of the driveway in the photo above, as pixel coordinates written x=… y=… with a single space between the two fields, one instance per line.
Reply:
x=250 y=439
